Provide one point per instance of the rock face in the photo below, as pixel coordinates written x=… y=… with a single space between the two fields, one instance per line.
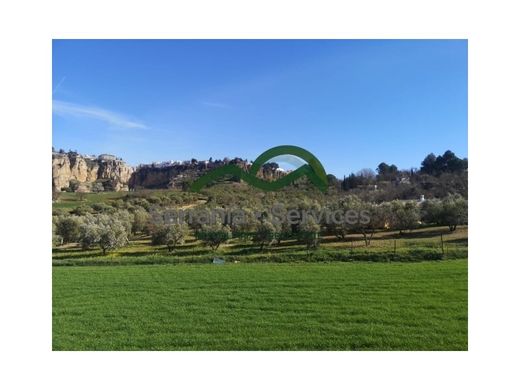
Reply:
x=151 y=177
x=176 y=175
x=173 y=175
x=81 y=173
x=86 y=173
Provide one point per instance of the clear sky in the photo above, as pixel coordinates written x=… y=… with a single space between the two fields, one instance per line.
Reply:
x=352 y=103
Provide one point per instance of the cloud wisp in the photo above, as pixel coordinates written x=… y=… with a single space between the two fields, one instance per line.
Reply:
x=216 y=105
x=113 y=119
x=58 y=85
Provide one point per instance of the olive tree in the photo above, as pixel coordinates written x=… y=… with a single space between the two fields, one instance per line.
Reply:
x=431 y=211
x=57 y=240
x=265 y=233
x=214 y=234
x=244 y=222
x=310 y=233
x=112 y=236
x=141 y=221
x=404 y=215
x=89 y=234
x=369 y=218
x=450 y=211
x=125 y=218
x=170 y=235
x=68 y=228
x=106 y=231
x=344 y=215
x=454 y=211
x=335 y=223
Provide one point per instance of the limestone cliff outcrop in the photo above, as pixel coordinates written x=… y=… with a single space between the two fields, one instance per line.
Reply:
x=80 y=173
x=178 y=174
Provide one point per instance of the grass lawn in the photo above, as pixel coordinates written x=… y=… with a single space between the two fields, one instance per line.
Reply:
x=310 y=306
x=70 y=200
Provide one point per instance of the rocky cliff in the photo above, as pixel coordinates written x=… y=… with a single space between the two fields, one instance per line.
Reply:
x=81 y=173
x=178 y=175
x=75 y=172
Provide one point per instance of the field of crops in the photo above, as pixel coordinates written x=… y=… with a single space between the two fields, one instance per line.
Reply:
x=310 y=306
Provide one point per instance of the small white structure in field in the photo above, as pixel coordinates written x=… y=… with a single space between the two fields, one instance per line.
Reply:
x=216 y=260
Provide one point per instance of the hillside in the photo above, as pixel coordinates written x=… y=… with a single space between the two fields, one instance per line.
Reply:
x=438 y=177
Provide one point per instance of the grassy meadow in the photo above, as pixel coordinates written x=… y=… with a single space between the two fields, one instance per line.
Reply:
x=340 y=306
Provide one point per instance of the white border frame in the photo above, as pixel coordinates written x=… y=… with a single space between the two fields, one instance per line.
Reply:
x=27 y=29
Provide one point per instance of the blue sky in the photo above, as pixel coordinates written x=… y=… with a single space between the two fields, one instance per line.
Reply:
x=352 y=103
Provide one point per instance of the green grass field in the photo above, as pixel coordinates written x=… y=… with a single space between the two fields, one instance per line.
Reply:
x=334 y=306
x=69 y=200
